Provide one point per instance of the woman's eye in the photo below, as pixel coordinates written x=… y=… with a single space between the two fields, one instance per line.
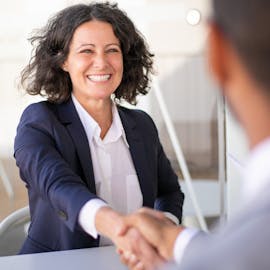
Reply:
x=87 y=51
x=112 y=50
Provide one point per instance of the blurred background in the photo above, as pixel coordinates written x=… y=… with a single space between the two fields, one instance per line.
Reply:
x=212 y=144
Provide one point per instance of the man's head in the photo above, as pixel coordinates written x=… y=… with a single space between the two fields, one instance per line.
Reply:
x=239 y=55
x=245 y=23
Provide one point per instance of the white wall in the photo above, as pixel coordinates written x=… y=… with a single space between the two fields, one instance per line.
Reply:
x=17 y=20
x=184 y=79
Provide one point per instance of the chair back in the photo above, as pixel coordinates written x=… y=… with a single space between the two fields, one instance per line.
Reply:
x=13 y=231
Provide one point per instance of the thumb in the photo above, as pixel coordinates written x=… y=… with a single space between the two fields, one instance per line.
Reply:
x=124 y=227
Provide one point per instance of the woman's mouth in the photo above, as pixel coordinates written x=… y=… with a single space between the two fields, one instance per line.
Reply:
x=99 y=78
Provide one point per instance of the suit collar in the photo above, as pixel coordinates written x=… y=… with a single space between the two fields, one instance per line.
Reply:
x=92 y=128
x=67 y=112
x=69 y=117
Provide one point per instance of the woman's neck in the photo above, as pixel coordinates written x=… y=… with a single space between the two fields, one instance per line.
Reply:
x=101 y=112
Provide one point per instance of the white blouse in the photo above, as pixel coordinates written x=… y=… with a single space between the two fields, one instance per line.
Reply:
x=115 y=176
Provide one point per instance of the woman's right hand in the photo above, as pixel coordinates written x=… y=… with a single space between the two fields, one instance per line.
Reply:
x=108 y=222
x=134 y=250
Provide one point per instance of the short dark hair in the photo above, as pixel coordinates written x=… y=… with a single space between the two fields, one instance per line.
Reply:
x=44 y=75
x=246 y=25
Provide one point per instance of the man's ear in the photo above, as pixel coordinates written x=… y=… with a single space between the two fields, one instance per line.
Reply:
x=218 y=54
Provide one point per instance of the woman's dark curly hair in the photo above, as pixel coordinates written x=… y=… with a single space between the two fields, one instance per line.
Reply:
x=44 y=74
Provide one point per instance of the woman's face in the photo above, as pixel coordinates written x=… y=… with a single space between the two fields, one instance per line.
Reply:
x=94 y=61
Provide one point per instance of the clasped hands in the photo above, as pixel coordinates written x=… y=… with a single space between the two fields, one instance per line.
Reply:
x=145 y=239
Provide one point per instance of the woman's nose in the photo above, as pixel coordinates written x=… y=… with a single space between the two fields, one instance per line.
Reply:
x=99 y=60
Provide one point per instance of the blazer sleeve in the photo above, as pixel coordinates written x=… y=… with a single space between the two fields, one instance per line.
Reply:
x=42 y=166
x=169 y=198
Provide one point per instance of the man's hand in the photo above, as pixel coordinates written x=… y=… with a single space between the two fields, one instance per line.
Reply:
x=139 y=255
x=134 y=250
x=155 y=228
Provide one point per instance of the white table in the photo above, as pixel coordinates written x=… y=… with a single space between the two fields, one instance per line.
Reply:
x=103 y=258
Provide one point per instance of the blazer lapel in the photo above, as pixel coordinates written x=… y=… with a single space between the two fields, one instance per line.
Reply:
x=139 y=157
x=68 y=115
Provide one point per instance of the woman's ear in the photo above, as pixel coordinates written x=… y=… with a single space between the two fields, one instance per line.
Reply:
x=65 y=67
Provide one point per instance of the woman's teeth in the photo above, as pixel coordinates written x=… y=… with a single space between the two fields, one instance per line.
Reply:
x=99 y=78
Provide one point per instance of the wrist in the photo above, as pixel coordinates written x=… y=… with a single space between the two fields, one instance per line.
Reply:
x=108 y=222
x=170 y=236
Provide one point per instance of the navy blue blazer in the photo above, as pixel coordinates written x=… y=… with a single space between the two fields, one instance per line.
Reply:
x=54 y=159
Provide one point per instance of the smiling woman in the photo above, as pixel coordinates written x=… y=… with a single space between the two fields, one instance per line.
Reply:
x=94 y=63
x=52 y=46
x=86 y=160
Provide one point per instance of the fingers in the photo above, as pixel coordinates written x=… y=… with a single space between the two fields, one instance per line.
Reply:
x=156 y=214
x=157 y=232
x=129 y=222
x=141 y=255
x=148 y=225
x=152 y=212
x=131 y=261
x=135 y=219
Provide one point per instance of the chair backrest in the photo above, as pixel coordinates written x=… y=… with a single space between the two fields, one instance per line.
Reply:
x=13 y=230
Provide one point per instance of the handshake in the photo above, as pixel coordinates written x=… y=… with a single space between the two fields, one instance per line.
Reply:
x=144 y=240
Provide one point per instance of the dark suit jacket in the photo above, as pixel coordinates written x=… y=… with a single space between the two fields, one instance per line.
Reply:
x=53 y=155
